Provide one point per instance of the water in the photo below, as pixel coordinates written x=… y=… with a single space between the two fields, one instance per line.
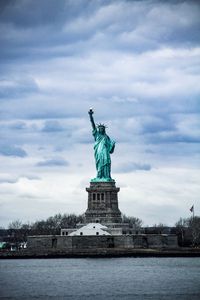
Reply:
x=103 y=278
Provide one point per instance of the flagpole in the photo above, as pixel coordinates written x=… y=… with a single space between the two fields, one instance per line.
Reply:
x=192 y=211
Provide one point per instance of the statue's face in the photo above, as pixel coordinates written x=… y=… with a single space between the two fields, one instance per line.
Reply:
x=101 y=129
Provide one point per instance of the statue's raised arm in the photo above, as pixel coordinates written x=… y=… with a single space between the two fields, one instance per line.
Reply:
x=90 y=112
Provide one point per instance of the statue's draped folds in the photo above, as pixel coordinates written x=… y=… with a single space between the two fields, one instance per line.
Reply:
x=102 y=148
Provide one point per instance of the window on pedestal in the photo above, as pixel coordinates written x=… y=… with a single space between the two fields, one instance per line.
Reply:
x=102 y=196
x=94 y=196
x=98 y=197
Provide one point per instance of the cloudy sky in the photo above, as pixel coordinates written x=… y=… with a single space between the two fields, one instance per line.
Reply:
x=137 y=63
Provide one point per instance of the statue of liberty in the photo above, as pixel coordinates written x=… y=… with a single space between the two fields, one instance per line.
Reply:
x=103 y=147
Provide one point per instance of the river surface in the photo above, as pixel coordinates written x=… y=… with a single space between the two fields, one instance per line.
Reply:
x=102 y=278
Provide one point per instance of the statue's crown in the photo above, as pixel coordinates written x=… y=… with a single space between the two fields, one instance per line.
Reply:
x=101 y=125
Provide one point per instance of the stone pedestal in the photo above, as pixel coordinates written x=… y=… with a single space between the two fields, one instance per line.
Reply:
x=103 y=203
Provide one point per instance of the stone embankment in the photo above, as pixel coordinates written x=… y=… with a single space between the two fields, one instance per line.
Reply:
x=104 y=252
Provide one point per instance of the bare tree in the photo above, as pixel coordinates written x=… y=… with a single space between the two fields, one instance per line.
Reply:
x=194 y=225
x=17 y=224
x=188 y=231
x=133 y=221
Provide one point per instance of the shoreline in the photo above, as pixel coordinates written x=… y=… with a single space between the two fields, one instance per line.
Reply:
x=102 y=253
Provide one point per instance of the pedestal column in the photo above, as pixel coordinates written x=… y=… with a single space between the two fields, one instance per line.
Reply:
x=103 y=203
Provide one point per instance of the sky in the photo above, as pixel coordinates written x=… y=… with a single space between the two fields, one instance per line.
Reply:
x=137 y=64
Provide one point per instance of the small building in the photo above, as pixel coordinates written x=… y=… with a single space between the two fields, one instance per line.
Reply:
x=67 y=231
x=112 y=228
x=89 y=229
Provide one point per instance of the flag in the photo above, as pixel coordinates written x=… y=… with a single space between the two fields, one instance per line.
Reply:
x=192 y=208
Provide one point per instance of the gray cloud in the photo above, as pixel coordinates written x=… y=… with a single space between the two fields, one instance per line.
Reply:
x=52 y=126
x=157 y=124
x=174 y=138
x=55 y=162
x=31 y=177
x=18 y=125
x=69 y=28
x=14 y=88
x=132 y=167
x=11 y=150
x=15 y=179
x=7 y=180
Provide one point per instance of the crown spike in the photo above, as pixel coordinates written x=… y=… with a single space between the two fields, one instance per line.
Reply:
x=101 y=125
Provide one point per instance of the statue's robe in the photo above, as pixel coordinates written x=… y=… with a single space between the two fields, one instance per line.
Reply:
x=102 y=148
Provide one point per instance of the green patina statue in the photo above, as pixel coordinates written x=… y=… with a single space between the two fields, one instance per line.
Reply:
x=103 y=147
